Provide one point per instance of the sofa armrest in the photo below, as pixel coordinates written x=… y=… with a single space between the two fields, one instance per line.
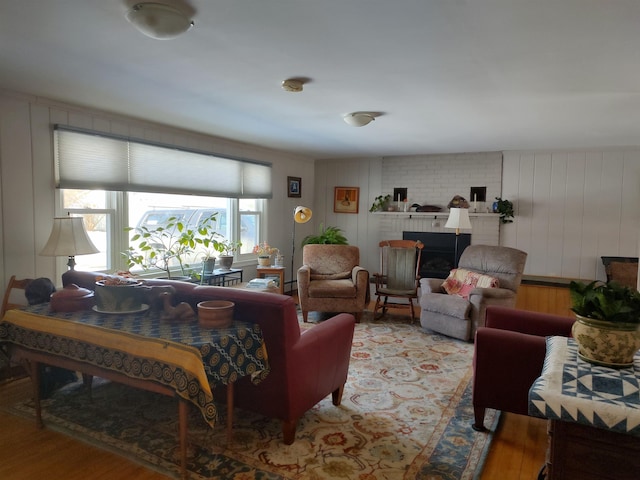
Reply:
x=303 y=278
x=489 y=294
x=320 y=358
x=431 y=285
x=532 y=323
x=505 y=365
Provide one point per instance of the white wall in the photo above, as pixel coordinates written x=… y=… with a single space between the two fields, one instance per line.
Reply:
x=429 y=179
x=27 y=178
x=571 y=207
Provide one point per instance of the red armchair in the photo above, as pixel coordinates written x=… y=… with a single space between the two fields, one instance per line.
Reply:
x=508 y=357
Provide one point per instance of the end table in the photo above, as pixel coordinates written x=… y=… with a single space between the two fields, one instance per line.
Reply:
x=264 y=272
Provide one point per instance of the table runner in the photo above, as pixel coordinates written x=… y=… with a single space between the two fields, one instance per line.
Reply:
x=577 y=391
x=180 y=355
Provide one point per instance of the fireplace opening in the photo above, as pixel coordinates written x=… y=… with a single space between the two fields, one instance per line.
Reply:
x=438 y=254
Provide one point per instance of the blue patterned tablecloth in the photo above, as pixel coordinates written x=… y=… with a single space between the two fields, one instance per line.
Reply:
x=574 y=390
x=179 y=354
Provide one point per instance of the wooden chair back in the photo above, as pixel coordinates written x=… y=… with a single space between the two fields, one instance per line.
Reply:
x=12 y=298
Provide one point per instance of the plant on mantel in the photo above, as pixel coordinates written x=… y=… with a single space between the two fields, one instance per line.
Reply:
x=505 y=209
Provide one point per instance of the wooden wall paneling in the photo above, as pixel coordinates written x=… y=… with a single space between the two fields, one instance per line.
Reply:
x=541 y=209
x=43 y=187
x=556 y=214
x=574 y=213
x=590 y=220
x=17 y=188
x=524 y=225
x=630 y=214
x=609 y=209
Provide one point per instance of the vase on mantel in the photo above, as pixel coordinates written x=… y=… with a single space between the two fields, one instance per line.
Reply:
x=264 y=261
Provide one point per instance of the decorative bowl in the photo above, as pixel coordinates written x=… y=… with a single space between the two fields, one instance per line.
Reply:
x=72 y=298
x=215 y=313
x=118 y=295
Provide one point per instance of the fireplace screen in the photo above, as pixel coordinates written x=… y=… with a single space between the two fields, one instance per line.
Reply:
x=438 y=254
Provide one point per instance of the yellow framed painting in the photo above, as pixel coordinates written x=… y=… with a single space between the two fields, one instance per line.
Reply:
x=345 y=199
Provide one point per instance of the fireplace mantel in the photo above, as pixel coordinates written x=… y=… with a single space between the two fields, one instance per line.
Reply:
x=485 y=227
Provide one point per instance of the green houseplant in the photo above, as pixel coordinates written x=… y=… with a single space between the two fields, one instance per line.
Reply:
x=380 y=203
x=505 y=209
x=162 y=246
x=329 y=235
x=227 y=249
x=607 y=322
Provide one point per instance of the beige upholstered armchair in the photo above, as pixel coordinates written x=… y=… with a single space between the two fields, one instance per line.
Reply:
x=486 y=275
x=331 y=280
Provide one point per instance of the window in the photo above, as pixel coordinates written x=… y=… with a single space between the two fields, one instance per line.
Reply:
x=115 y=182
x=106 y=226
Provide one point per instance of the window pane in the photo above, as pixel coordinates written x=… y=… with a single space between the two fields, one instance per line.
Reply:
x=149 y=210
x=249 y=231
x=83 y=199
x=96 y=225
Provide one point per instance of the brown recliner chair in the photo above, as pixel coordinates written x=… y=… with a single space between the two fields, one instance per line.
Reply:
x=508 y=357
x=331 y=280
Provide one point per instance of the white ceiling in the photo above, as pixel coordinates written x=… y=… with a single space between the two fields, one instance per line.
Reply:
x=447 y=75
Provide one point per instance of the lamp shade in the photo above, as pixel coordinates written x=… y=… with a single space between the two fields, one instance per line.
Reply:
x=302 y=214
x=159 y=21
x=68 y=238
x=458 y=218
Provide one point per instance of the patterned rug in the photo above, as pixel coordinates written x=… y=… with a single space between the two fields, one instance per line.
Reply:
x=406 y=414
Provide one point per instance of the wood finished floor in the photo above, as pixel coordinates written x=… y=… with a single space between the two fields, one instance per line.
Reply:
x=517 y=451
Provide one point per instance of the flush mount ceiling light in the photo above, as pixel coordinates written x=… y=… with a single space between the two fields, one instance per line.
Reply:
x=159 y=21
x=293 y=85
x=359 y=119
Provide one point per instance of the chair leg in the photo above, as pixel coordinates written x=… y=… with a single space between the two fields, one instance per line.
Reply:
x=411 y=310
x=336 y=395
x=376 y=307
x=478 y=423
x=305 y=315
x=289 y=431
x=358 y=316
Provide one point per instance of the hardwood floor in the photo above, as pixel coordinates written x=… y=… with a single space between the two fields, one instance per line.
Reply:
x=517 y=451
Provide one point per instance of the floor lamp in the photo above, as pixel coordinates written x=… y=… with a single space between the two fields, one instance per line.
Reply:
x=458 y=218
x=300 y=215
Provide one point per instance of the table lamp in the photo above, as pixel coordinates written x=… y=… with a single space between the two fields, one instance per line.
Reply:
x=458 y=218
x=68 y=238
x=300 y=215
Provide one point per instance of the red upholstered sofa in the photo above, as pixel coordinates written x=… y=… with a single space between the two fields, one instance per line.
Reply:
x=305 y=366
x=508 y=358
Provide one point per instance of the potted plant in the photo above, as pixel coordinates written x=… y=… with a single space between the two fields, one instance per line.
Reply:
x=227 y=249
x=264 y=251
x=607 y=322
x=380 y=203
x=209 y=239
x=329 y=235
x=162 y=246
x=505 y=209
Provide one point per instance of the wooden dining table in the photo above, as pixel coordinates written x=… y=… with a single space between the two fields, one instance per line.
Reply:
x=140 y=349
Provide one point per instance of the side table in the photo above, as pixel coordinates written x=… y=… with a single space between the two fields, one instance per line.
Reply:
x=264 y=272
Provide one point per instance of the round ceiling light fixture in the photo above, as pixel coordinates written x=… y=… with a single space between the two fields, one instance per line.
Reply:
x=292 y=85
x=359 y=119
x=159 y=21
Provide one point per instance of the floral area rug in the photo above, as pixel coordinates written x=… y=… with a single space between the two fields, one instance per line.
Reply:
x=406 y=414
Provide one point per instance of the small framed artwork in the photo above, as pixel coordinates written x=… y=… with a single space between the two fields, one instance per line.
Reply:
x=345 y=199
x=294 y=187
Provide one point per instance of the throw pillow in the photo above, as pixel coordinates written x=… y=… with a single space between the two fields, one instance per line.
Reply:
x=461 y=281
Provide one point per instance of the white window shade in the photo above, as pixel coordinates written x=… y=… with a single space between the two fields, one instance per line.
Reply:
x=89 y=160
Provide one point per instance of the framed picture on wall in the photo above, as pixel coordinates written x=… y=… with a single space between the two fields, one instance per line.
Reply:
x=294 y=187
x=345 y=199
